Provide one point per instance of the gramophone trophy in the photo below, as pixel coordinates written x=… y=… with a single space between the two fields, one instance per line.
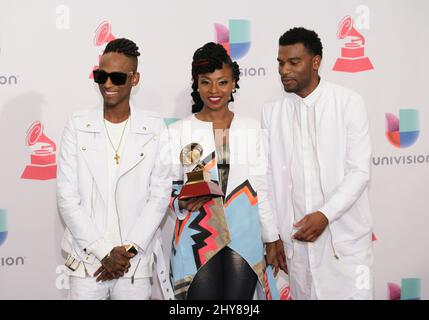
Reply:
x=43 y=164
x=198 y=182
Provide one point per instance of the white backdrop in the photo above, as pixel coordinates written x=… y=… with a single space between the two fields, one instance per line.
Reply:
x=47 y=51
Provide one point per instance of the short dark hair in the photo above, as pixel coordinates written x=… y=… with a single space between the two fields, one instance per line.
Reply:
x=124 y=46
x=207 y=59
x=308 y=38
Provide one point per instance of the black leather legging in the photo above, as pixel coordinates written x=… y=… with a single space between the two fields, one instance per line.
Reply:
x=226 y=276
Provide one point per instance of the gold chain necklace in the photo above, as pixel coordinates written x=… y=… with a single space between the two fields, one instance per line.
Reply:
x=117 y=156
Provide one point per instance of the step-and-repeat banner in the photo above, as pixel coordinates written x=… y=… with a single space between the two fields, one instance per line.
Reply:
x=49 y=48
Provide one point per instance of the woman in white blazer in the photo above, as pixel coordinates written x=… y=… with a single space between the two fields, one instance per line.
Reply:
x=218 y=244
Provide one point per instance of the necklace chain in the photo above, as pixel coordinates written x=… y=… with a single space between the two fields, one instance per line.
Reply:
x=117 y=157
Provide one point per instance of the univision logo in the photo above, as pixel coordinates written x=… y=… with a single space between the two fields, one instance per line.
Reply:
x=3 y=226
x=410 y=289
x=7 y=261
x=236 y=39
x=8 y=80
x=403 y=132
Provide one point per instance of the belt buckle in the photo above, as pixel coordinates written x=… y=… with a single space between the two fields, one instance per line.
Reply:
x=72 y=263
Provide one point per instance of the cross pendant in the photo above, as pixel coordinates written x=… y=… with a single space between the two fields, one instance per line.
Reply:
x=117 y=157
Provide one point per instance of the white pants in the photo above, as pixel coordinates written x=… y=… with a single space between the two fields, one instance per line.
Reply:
x=117 y=289
x=300 y=277
x=337 y=277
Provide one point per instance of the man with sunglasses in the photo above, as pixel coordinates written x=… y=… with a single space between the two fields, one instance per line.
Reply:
x=113 y=186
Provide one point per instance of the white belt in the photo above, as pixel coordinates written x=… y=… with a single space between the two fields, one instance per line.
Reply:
x=161 y=270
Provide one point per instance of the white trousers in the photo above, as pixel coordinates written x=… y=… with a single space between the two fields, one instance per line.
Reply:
x=117 y=289
x=300 y=277
x=337 y=277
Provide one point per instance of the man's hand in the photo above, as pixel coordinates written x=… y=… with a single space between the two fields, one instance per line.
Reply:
x=114 y=265
x=276 y=256
x=103 y=275
x=310 y=227
x=193 y=204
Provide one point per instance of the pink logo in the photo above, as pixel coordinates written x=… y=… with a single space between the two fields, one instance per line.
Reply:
x=353 y=52
x=394 y=291
x=285 y=293
x=103 y=35
x=43 y=164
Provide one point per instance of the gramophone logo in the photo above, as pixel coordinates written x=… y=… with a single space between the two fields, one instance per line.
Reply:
x=236 y=40
x=403 y=132
x=285 y=293
x=3 y=226
x=353 y=57
x=103 y=35
x=43 y=164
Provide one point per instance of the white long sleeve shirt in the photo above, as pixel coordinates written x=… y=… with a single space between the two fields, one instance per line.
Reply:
x=307 y=196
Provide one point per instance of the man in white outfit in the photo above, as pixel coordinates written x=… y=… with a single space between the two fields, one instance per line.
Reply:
x=113 y=186
x=319 y=163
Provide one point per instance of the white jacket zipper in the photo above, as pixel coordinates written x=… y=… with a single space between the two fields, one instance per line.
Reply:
x=116 y=188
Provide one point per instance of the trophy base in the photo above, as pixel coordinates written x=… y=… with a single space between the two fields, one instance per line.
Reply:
x=200 y=189
x=34 y=172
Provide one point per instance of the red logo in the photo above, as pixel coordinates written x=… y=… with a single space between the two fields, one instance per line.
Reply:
x=285 y=293
x=103 y=35
x=43 y=164
x=353 y=52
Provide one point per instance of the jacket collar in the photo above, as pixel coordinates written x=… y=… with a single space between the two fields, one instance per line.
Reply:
x=194 y=119
x=312 y=98
x=93 y=144
x=139 y=123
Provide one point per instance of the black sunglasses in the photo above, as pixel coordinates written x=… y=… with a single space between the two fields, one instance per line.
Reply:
x=117 y=78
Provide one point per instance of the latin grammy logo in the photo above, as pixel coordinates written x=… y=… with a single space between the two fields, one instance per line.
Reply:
x=43 y=156
x=285 y=293
x=352 y=53
x=103 y=35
